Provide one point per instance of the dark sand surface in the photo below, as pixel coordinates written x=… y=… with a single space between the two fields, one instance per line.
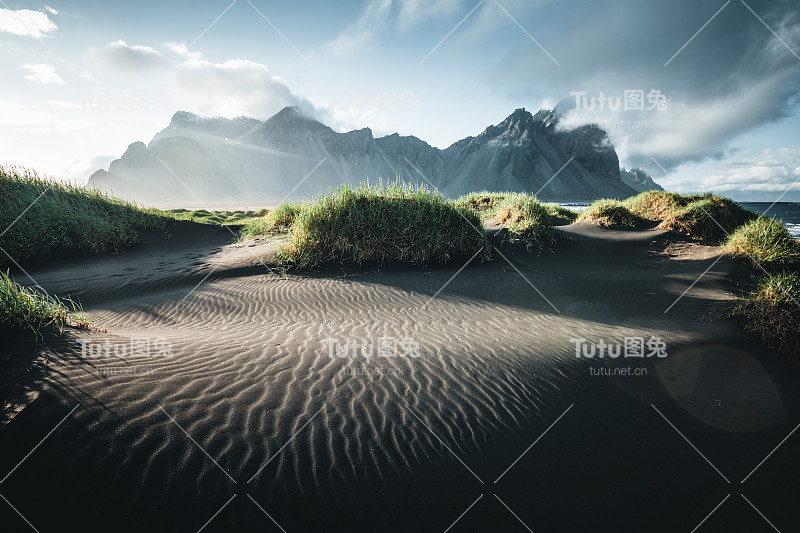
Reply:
x=251 y=426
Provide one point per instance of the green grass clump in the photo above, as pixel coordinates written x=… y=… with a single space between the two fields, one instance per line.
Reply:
x=561 y=215
x=63 y=217
x=276 y=221
x=24 y=308
x=657 y=205
x=611 y=214
x=486 y=203
x=709 y=218
x=527 y=219
x=770 y=313
x=385 y=223
x=765 y=242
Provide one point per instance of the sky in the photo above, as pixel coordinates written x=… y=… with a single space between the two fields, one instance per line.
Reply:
x=703 y=95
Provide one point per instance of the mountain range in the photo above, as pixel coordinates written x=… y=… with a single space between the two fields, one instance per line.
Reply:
x=201 y=159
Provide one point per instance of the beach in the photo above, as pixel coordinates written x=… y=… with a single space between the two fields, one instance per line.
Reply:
x=401 y=398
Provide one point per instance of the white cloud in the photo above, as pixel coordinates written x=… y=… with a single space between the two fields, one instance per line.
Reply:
x=50 y=10
x=235 y=87
x=25 y=22
x=182 y=50
x=21 y=118
x=770 y=171
x=120 y=56
x=689 y=130
x=64 y=104
x=42 y=73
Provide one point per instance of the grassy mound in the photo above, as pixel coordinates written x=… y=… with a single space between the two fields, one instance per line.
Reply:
x=278 y=220
x=611 y=214
x=528 y=220
x=63 y=217
x=657 y=205
x=385 y=223
x=771 y=314
x=486 y=203
x=708 y=218
x=764 y=241
x=23 y=308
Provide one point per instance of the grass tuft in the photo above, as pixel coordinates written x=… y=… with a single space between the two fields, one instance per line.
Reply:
x=770 y=313
x=657 y=205
x=486 y=203
x=765 y=242
x=23 y=308
x=528 y=220
x=611 y=214
x=709 y=218
x=279 y=220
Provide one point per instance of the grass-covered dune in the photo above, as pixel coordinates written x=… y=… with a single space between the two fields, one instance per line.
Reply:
x=765 y=242
x=396 y=223
x=491 y=204
x=401 y=223
x=703 y=217
x=771 y=310
x=41 y=217
x=611 y=214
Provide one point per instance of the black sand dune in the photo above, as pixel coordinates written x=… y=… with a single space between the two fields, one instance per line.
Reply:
x=251 y=425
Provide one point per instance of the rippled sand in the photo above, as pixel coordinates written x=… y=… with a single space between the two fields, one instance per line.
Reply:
x=255 y=416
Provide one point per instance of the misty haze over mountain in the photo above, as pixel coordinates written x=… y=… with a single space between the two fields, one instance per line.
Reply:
x=212 y=159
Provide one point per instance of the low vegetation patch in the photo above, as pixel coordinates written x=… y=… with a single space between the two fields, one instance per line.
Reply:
x=771 y=313
x=765 y=242
x=528 y=220
x=486 y=203
x=385 y=223
x=658 y=205
x=23 y=308
x=611 y=214
x=276 y=221
x=55 y=217
x=709 y=218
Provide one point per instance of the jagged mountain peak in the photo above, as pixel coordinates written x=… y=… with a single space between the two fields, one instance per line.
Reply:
x=206 y=129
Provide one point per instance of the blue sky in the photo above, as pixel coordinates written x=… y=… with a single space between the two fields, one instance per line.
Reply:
x=83 y=79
